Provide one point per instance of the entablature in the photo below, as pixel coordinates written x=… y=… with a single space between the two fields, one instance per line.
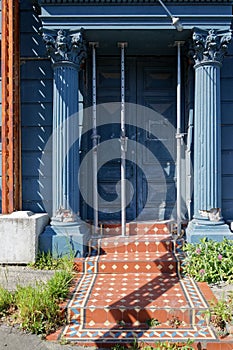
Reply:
x=136 y=14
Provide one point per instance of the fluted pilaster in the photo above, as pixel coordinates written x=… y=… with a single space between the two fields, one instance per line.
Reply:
x=67 y=53
x=209 y=48
x=67 y=231
x=207 y=140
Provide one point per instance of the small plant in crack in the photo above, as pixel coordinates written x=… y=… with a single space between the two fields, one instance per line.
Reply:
x=175 y=322
x=153 y=322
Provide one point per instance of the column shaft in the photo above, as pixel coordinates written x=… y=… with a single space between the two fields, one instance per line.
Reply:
x=65 y=140
x=207 y=141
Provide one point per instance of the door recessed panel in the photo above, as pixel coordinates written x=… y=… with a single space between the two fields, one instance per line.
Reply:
x=150 y=170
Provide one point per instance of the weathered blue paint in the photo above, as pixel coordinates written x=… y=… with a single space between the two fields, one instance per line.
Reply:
x=66 y=64
x=36 y=107
x=209 y=49
x=122 y=16
x=148 y=31
x=67 y=53
x=62 y=240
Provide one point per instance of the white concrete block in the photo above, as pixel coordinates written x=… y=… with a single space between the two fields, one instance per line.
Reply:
x=19 y=234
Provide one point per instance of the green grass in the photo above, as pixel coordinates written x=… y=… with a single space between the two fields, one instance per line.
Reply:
x=6 y=301
x=38 y=308
x=45 y=261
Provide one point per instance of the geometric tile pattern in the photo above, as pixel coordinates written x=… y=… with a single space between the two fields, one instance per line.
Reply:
x=139 y=243
x=127 y=281
x=135 y=228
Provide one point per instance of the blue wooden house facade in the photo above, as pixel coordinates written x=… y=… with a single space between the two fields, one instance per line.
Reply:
x=166 y=68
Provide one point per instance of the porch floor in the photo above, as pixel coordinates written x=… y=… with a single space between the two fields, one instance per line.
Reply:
x=131 y=288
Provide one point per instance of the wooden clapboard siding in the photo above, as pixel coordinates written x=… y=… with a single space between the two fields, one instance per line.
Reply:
x=36 y=108
x=227 y=132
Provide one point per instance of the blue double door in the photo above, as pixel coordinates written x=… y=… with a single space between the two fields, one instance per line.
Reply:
x=150 y=115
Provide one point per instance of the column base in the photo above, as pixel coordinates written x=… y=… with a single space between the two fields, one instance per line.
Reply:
x=65 y=238
x=216 y=231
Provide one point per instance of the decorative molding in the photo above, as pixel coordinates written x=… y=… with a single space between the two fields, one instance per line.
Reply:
x=65 y=46
x=210 y=45
x=11 y=144
x=130 y=2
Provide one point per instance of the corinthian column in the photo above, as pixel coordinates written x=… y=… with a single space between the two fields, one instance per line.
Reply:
x=209 y=48
x=67 y=52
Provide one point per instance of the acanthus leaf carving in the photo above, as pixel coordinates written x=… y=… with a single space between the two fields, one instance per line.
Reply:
x=210 y=45
x=64 y=46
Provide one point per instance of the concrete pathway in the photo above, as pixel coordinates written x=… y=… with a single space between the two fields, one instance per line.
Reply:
x=14 y=339
x=13 y=275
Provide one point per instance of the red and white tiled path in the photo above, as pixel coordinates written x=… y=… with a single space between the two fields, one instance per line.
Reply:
x=127 y=281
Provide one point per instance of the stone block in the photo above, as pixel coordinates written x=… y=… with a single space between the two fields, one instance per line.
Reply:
x=19 y=233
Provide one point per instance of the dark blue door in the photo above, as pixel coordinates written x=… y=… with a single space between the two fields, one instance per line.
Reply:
x=156 y=90
x=150 y=83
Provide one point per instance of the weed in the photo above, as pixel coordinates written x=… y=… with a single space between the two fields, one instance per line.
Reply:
x=64 y=341
x=118 y=347
x=45 y=261
x=38 y=308
x=37 y=311
x=174 y=346
x=6 y=300
x=58 y=286
x=220 y=313
x=175 y=322
x=209 y=261
x=153 y=322
x=159 y=346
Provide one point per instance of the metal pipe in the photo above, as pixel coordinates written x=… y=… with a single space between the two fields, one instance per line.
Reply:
x=122 y=45
x=95 y=138
x=179 y=137
x=175 y=20
x=188 y=164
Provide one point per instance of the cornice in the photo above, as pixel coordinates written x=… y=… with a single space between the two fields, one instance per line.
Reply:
x=130 y=2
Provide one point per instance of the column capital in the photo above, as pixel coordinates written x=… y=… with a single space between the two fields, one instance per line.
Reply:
x=65 y=46
x=210 y=46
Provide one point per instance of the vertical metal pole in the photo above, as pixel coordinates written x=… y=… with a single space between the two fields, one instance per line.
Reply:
x=178 y=140
x=95 y=137
x=123 y=141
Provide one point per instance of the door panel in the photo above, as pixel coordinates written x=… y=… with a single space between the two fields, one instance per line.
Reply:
x=156 y=89
x=150 y=82
x=109 y=175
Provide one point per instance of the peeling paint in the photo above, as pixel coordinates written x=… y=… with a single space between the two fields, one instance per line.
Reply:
x=213 y=214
